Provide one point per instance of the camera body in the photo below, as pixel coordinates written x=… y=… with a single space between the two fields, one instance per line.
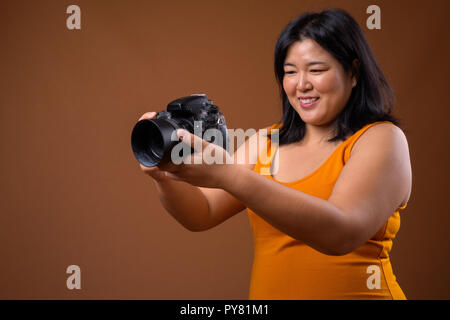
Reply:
x=151 y=139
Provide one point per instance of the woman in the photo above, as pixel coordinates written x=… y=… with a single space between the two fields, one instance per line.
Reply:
x=323 y=223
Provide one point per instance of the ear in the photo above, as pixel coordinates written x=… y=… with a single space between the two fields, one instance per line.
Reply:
x=355 y=72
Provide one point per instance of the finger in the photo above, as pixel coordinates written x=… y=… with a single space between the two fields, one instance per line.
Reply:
x=191 y=139
x=148 y=115
x=173 y=176
x=157 y=175
x=148 y=169
x=153 y=172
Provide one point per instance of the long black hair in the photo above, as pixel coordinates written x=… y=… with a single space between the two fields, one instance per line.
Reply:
x=371 y=100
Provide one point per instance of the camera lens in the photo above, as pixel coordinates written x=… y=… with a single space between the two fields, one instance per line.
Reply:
x=151 y=141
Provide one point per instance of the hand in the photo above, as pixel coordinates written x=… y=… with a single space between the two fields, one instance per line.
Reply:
x=209 y=166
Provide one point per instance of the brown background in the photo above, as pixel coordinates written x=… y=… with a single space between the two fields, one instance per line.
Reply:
x=72 y=192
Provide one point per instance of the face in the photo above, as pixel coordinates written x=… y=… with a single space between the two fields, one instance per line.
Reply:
x=315 y=83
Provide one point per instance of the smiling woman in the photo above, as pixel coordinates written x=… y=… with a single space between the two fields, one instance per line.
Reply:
x=328 y=53
x=307 y=81
x=339 y=143
x=324 y=221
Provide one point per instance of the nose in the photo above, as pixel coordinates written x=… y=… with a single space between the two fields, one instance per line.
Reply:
x=303 y=83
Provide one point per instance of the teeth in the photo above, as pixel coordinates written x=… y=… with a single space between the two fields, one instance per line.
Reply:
x=308 y=100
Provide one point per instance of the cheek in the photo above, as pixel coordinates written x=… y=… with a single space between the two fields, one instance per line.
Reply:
x=289 y=85
x=329 y=83
x=286 y=86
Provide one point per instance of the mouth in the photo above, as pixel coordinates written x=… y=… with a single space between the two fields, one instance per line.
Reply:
x=308 y=102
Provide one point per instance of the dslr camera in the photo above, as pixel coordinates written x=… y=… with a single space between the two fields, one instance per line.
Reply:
x=152 y=139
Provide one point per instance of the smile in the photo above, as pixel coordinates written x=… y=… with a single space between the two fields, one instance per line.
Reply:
x=308 y=102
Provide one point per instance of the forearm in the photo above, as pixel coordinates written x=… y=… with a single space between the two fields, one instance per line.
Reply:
x=312 y=220
x=186 y=203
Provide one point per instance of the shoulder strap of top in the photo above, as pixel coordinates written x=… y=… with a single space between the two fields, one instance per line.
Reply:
x=264 y=159
x=350 y=142
x=275 y=126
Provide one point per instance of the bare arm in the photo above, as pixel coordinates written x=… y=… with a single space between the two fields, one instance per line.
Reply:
x=223 y=205
x=186 y=203
x=373 y=183
x=197 y=208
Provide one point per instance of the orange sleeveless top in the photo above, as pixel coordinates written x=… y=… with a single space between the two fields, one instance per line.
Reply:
x=285 y=268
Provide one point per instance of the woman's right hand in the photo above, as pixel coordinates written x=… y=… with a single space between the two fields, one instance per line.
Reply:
x=155 y=172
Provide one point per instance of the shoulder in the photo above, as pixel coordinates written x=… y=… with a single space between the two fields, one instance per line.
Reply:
x=379 y=167
x=381 y=137
x=382 y=152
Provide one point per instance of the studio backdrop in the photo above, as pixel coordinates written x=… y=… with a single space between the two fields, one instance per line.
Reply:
x=77 y=75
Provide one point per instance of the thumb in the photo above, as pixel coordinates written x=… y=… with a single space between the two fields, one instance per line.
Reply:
x=192 y=140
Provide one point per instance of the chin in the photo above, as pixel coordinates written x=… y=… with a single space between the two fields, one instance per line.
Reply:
x=310 y=119
x=315 y=118
x=313 y=121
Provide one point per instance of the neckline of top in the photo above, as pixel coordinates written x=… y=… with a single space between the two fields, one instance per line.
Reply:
x=308 y=175
x=343 y=143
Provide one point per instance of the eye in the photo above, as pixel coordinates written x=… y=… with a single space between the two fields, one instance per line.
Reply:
x=316 y=70
x=289 y=72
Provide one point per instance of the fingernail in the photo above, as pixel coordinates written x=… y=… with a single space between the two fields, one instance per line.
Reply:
x=180 y=134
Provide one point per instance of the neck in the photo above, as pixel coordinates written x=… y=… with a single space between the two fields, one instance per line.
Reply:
x=318 y=135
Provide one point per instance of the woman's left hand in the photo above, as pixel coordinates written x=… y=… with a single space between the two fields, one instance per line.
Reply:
x=209 y=166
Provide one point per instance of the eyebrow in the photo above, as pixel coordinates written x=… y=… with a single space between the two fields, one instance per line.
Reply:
x=308 y=64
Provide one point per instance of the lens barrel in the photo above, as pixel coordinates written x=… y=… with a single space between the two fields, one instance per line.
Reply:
x=151 y=141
